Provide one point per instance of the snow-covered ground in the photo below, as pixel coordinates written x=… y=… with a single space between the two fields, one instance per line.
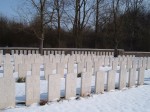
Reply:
x=136 y=99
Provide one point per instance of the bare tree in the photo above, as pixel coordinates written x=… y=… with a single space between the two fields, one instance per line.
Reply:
x=59 y=7
x=115 y=11
x=83 y=11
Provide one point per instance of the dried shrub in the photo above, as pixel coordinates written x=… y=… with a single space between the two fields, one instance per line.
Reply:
x=43 y=102
x=21 y=80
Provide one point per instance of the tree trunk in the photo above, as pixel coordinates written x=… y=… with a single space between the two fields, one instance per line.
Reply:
x=41 y=44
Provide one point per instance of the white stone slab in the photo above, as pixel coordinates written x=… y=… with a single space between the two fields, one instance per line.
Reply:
x=35 y=70
x=48 y=69
x=141 y=73
x=144 y=63
x=89 y=66
x=129 y=64
x=7 y=92
x=7 y=59
x=99 y=82
x=122 y=78
x=54 y=87
x=96 y=66
x=25 y=52
x=132 y=77
x=111 y=80
x=8 y=71
x=70 y=67
x=29 y=51
x=22 y=72
x=80 y=67
x=148 y=63
x=60 y=69
x=70 y=83
x=86 y=79
x=32 y=89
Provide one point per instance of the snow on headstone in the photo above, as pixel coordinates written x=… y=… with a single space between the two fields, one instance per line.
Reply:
x=32 y=89
x=7 y=92
x=86 y=79
x=54 y=83
x=70 y=83
x=141 y=72
x=99 y=83
x=111 y=80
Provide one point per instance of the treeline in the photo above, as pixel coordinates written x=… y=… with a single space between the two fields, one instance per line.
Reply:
x=105 y=29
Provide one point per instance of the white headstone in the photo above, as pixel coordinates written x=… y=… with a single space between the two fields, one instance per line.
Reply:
x=48 y=69
x=141 y=73
x=8 y=71
x=54 y=87
x=96 y=66
x=122 y=78
x=7 y=92
x=29 y=51
x=111 y=80
x=25 y=52
x=60 y=69
x=80 y=67
x=70 y=67
x=35 y=70
x=70 y=83
x=99 y=83
x=148 y=63
x=86 y=79
x=22 y=72
x=144 y=63
x=89 y=66
x=132 y=75
x=32 y=89
x=21 y=51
